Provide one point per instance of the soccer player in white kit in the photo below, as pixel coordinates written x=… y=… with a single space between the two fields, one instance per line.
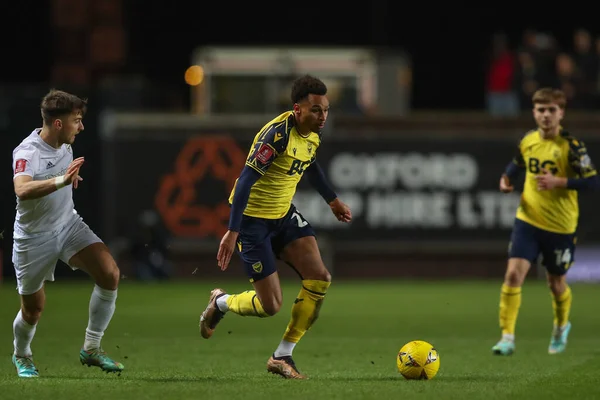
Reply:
x=47 y=228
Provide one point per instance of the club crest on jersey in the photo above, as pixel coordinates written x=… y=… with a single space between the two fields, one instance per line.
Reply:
x=264 y=154
x=310 y=148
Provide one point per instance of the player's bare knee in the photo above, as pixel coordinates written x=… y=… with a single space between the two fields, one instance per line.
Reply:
x=272 y=306
x=514 y=277
x=110 y=277
x=319 y=274
x=557 y=285
x=32 y=313
x=114 y=276
x=516 y=272
x=325 y=276
x=272 y=309
x=271 y=302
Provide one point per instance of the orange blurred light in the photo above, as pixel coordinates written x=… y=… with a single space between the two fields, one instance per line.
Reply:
x=194 y=75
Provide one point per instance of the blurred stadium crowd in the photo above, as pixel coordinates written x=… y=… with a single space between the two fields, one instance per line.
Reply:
x=515 y=72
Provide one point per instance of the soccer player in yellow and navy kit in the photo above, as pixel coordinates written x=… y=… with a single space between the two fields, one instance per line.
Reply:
x=557 y=166
x=264 y=223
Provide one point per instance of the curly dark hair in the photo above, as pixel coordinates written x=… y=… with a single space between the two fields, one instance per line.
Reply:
x=306 y=85
x=58 y=103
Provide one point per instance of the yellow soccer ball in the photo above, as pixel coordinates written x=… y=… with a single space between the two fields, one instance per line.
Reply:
x=418 y=360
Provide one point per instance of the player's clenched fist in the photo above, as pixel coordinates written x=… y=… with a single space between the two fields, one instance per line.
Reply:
x=505 y=185
x=341 y=211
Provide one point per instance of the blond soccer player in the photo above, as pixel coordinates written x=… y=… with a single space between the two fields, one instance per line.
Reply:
x=557 y=166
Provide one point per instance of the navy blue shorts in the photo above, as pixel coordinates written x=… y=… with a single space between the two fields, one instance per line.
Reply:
x=261 y=240
x=557 y=250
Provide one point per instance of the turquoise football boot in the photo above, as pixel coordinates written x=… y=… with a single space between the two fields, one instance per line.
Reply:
x=558 y=341
x=504 y=348
x=98 y=358
x=25 y=367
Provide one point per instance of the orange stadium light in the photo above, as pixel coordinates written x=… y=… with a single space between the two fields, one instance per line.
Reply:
x=194 y=75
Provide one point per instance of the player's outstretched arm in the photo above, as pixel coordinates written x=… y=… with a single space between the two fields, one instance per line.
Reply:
x=317 y=179
x=247 y=179
x=27 y=189
x=265 y=150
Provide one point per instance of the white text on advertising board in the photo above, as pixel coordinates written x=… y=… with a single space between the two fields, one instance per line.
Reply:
x=412 y=190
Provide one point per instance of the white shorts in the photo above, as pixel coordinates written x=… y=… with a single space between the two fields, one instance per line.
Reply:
x=35 y=257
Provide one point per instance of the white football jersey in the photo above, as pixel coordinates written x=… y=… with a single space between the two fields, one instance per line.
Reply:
x=38 y=159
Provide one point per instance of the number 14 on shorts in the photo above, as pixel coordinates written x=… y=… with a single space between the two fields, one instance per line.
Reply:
x=563 y=257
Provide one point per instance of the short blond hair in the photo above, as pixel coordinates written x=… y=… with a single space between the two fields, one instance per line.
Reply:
x=549 y=95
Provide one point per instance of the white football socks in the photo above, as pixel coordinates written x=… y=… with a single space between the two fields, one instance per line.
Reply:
x=222 y=303
x=285 y=348
x=23 y=334
x=102 y=308
x=508 y=337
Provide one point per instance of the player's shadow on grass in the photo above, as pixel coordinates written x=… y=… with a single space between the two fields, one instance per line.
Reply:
x=445 y=378
x=359 y=378
x=471 y=378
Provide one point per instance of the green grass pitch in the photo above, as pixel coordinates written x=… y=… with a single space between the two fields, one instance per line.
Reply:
x=349 y=354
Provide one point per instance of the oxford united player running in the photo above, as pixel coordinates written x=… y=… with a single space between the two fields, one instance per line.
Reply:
x=557 y=166
x=264 y=224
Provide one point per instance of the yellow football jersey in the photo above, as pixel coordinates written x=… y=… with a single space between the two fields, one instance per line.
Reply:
x=280 y=154
x=555 y=210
